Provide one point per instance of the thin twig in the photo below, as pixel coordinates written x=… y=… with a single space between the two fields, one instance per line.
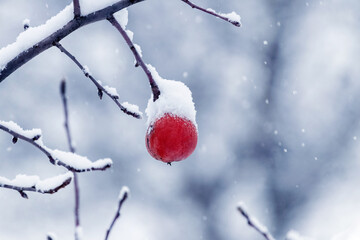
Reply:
x=59 y=34
x=235 y=23
x=154 y=87
x=117 y=215
x=33 y=188
x=72 y=149
x=100 y=88
x=46 y=151
x=77 y=11
x=252 y=222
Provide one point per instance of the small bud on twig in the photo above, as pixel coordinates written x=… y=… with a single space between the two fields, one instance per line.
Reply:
x=100 y=93
x=14 y=140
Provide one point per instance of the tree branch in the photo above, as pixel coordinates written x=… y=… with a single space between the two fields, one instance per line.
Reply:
x=59 y=34
x=225 y=17
x=122 y=197
x=57 y=157
x=100 y=88
x=23 y=183
x=72 y=149
x=252 y=222
x=154 y=87
x=77 y=11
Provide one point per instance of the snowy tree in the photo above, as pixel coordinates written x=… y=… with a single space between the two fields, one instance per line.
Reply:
x=277 y=118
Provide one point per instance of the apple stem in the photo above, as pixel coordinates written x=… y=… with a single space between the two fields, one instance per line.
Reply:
x=100 y=88
x=139 y=61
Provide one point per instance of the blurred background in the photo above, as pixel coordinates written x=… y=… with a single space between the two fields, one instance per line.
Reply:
x=277 y=107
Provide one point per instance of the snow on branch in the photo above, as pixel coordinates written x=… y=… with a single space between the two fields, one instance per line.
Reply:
x=70 y=161
x=35 y=40
x=232 y=17
x=254 y=223
x=23 y=183
x=124 y=193
x=120 y=26
x=109 y=91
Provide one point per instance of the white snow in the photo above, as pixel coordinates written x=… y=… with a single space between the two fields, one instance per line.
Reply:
x=26 y=21
x=132 y=108
x=293 y=235
x=16 y=128
x=24 y=181
x=175 y=98
x=33 y=35
x=124 y=190
x=112 y=91
x=122 y=17
x=233 y=16
x=86 y=70
x=79 y=232
x=138 y=49
x=51 y=183
x=78 y=162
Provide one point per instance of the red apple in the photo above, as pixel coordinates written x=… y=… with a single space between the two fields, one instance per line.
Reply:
x=171 y=138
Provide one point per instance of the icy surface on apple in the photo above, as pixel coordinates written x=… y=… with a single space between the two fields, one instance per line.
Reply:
x=175 y=98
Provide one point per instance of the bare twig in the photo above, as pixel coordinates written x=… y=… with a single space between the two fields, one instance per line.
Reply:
x=59 y=34
x=72 y=149
x=252 y=222
x=5 y=183
x=122 y=197
x=54 y=160
x=235 y=23
x=77 y=11
x=154 y=87
x=100 y=88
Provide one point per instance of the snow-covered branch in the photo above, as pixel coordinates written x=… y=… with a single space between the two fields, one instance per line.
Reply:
x=109 y=91
x=135 y=50
x=232 y=17
x=254 y=223
x=70 y=161
x=35 y=40
x=124 y=193
x=24 y=183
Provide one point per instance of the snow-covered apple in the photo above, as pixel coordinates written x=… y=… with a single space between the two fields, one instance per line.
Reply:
x=171 y=138
x=172 y=131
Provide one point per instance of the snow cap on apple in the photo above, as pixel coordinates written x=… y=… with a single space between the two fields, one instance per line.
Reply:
x=172 y=130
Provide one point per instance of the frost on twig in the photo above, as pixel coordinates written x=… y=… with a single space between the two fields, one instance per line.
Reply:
x=70 y=161
x=124 y=193
x=119 y=21
x=109 y=91
x=24 y=183
x=254 y=223
x=232 y=17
